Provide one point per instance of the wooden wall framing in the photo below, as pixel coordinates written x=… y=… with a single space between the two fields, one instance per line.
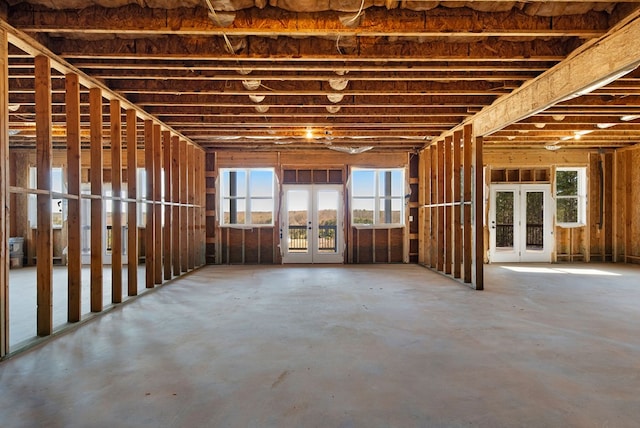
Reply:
x=451 y=195
x=100 y=165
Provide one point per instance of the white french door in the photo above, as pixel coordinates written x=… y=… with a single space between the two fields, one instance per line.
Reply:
x=312 y=219
x=520 y=223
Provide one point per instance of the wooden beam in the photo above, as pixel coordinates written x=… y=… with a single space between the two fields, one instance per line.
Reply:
x=191 y=208
x=74 y=210
x=96 y=178
x=440 y=228
x=448 y=198
x=4 y=195
x=590 y=67
x=457 y=208
x=176 y=171
x=433 y=232
x=184 y=232
x=200 y=231
x=478 y=208
x=149 y=255
x=44 y=233
x=168 y=192
x=132 y=194
x=116 y=191
x=173 y=47
x=157 y=204
x=421 y=210
x=467 y=237
x=272 y=22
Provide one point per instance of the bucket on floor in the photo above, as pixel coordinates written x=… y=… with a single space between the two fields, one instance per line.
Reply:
x=16 y=251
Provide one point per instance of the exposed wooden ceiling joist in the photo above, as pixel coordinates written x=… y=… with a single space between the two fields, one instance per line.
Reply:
x=414 y=69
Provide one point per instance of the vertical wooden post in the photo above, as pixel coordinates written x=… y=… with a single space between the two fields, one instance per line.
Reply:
x=97 y=226
x=203 y=209
x=132 y=208
x=176 y=168
x=448 y=189
x=149 y=255
x=478 y=205
x=74 y=223
x=44 y=235
x=457 y=207
x=116 y=191
x=467 y=231
x=191 y=209
x=199 y=199
x=4 y=194
x=157 y=205
x=434 y=210
x=184 y=243
x=166 y=152
x=441 y=211
x=421 y=202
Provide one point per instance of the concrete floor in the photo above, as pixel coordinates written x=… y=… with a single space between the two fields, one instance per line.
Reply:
x=346 y=346
x=23 y=299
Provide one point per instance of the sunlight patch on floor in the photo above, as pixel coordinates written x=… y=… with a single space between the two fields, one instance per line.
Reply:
x=573 y=271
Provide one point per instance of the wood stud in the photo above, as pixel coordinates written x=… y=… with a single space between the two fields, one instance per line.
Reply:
x=96 y=178
x=4 y=195
x=74 y=220
x=44 y=234
x=149 y=255
x=116 y=204
x=167 y=239
x=132 y=205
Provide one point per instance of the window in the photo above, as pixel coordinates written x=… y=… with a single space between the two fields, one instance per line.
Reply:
x=58 y=206
x=247 y=196
x=377 y=196
x=571 y=196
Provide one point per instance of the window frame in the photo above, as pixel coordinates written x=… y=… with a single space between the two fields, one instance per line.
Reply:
x=580 y=196
x=247 y=198
x=378 y=198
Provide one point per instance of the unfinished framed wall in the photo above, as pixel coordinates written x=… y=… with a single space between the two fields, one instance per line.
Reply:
x=451 y=217
x=75 y=198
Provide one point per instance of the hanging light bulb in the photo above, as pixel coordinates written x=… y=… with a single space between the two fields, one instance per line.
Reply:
x=335 y=98
x=338 y=84
x=333 y=109
x=252 y=84
x=256 y=98
x=261 y=108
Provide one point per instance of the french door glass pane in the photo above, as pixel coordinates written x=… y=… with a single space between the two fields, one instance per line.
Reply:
x=535 y=220
x=504 y=219
x=298 y=219
x=327 y=211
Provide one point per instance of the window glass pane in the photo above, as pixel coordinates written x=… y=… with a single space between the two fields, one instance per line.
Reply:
x=261 y=184
x=397 y=183
x=56 y=180
x=233 y=211
x=261 y=211
x=566 y=183
x=390 y=211
x=237 y=179
x=363 y=210
x=567 y=210
x=363 y=183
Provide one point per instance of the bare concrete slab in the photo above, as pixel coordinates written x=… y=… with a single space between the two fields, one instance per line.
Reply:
x=346 y=346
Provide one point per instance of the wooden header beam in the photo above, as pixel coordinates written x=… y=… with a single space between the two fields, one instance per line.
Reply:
x=591 y=66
